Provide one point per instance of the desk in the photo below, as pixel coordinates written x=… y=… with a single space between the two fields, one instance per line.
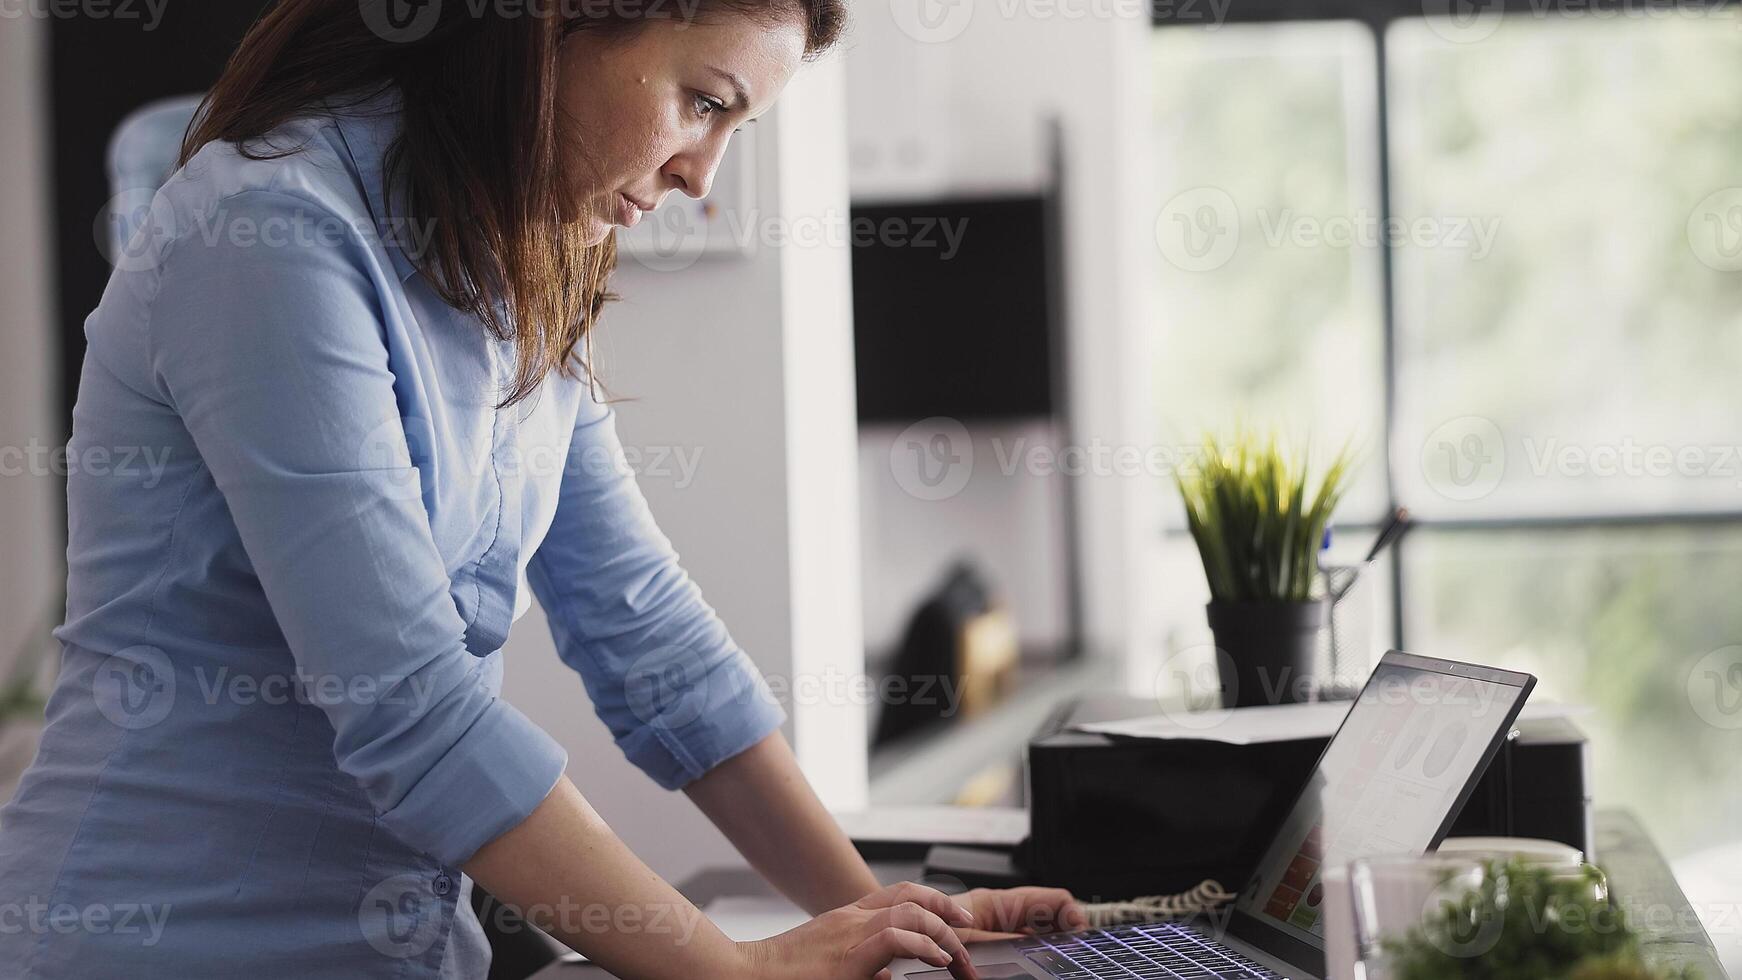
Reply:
x=1639 y=879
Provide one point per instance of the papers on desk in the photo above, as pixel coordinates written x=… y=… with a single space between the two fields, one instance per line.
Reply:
x=975 y=826
x=1272 y=722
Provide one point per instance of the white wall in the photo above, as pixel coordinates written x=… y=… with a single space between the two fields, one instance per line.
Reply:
x=33 y=570
x=950 y=97
x=746 y=360
x=1010 y=525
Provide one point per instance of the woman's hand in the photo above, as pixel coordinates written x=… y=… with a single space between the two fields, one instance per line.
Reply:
x=1010 y=913
x=858 y=941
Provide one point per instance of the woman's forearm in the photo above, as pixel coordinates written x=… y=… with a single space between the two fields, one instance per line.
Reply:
x=764 y=805
x=569 y=874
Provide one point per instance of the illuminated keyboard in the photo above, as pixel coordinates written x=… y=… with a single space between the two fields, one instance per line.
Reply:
x=1157 y=951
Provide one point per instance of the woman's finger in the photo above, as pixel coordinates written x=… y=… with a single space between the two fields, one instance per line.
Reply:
x=912 y=917
x=941 y=905
x=1063 y=910
x=882 y=947
x=1029 y=909
x=987 y=935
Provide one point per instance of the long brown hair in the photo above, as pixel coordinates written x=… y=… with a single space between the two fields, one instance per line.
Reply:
x=478 y=154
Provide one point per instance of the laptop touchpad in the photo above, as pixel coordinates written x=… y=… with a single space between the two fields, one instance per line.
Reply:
x=997 y=971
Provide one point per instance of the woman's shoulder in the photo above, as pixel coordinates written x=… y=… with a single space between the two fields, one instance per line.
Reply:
x=319 y=164
x=233 y=222
x=302 y=160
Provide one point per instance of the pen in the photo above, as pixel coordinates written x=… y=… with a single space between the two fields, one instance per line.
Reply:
x=1394 y=529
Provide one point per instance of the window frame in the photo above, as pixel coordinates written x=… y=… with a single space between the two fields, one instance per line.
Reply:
x=1378 y=16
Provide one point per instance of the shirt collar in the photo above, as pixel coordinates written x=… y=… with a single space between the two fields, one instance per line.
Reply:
x=368 y=130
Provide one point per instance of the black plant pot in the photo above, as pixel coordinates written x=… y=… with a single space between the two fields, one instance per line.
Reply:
x=1266 y=649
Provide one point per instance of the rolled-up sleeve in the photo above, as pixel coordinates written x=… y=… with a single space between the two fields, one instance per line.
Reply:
x=274 y=356
x=665 y=676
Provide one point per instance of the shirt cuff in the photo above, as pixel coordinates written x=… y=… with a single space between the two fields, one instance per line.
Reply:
x=498 y=772
x=729 y=712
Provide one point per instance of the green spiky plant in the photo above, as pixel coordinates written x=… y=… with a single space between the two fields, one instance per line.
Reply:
x=1256 y=517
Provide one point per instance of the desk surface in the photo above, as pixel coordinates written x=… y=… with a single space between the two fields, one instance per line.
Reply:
x=1639 y=879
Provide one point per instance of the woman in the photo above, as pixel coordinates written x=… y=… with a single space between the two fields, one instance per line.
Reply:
x=353 y=329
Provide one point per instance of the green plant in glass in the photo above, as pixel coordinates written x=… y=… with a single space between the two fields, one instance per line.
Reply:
x=1258 y=519
x=1525 y=922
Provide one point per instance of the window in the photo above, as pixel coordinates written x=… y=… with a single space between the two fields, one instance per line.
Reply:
x=1503 y=254
x=1263 y=132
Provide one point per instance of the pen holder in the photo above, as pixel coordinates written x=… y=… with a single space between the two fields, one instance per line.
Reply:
x=1350 y=646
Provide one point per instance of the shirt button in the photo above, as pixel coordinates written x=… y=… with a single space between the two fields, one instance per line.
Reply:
x=443 y=884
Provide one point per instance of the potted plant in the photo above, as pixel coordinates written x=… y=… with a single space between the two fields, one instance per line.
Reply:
x=1258 y=522
x=1526 y=922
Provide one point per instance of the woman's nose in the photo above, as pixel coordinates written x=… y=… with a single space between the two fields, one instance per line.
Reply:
x=694 y=179
x=693 y=173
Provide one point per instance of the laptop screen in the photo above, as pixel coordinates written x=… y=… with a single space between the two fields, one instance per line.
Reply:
x=1397 y=772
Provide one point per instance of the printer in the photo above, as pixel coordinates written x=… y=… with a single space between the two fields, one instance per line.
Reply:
x=1115 y=817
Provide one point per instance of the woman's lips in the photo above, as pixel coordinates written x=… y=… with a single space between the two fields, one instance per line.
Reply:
x=627 y=212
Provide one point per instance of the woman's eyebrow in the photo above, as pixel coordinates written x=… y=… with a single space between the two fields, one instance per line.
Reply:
x=743 y=100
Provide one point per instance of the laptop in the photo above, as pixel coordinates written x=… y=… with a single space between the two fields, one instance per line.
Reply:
x=1394 y=776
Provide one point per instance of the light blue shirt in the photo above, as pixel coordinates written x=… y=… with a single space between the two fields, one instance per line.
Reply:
x=298 y=535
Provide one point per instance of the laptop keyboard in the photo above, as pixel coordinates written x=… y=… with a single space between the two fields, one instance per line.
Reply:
x=1157 y=951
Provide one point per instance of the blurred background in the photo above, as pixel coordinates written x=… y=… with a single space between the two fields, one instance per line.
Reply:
x=986 y=279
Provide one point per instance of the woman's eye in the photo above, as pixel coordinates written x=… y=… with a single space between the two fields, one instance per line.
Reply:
x=705 y=105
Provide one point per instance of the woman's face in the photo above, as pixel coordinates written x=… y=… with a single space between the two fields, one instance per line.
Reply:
x=651 y=111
